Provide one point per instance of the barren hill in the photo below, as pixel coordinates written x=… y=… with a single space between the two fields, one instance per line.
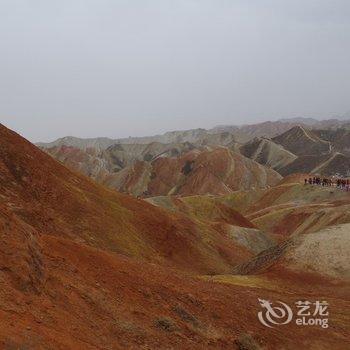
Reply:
x=159 y=169
x=324 y=252
x=217 y=171
x=298 y=145
x=52 y=199
x=58 y=294
x=292 y=207
x=301 y=150
x=339 y=138
x=265 y=151
x=334 y=163
x=210 y=212
x=219 y=135
x=197 y=136
x=301 y=142
x=98 y=164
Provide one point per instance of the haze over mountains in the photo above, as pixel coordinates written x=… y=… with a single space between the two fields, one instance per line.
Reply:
x=216 y=161
x=86 y=267
x=239 y=133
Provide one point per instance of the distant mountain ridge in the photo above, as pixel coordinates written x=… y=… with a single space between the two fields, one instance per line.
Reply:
x=158 y=169
x=301 y=150
x=213 y=163
x=200 y=136
x=228 y=134
x=306 y=121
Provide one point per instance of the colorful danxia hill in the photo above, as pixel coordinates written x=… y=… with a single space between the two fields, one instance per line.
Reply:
x=176 y=241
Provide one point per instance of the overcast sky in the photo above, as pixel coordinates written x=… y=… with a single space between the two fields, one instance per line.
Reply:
x=138 y=67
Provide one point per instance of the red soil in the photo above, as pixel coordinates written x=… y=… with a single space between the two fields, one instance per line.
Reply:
x=80 y=297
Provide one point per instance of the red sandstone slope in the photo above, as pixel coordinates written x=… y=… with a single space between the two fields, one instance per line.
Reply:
x=215 y=170
x=209 y=212
x=292 y=207
x=218 y=171
x=53 y=200
x=58 y=294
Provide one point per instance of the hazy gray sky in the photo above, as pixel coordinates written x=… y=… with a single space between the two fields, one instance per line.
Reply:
x=135 y=67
